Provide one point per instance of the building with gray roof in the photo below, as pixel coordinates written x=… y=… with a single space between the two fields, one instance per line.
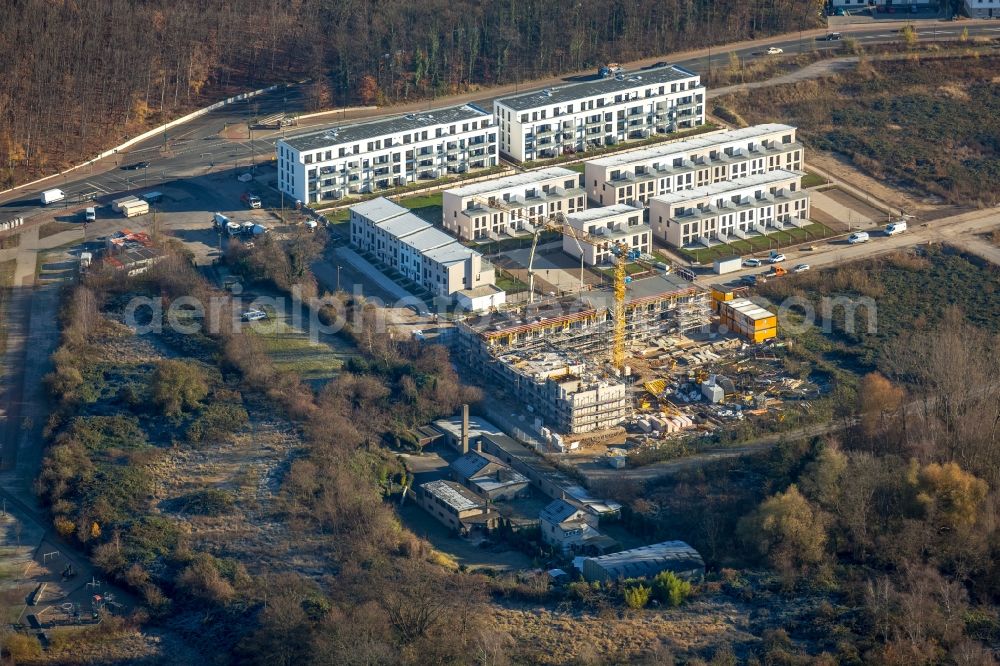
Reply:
x=645 y=562
x=635 y=176
x=332 y=162
x=501 y=207
x=605 y=111
x=415 y=248
x=489 y=476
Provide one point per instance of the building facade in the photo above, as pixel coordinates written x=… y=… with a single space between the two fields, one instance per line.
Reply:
x=330 y=163
x=596 y=233
x=408 y=244
x=609 y=111
x=567 y=527
x=757 y=204
x=982 y=8
x=639 y=175
x=504 y=206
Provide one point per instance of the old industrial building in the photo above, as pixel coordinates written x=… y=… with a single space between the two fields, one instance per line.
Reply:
x=756 y=204
x=637 y=175
x=501 y=207
x=597 y=233
x=329 y=163
x=570 y=528
x=489 y=476
x=426 y=255
x=645 y=562
x=609 y=111
x=456 y=506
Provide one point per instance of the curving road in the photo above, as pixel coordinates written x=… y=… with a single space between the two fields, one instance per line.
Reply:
x=197 y=146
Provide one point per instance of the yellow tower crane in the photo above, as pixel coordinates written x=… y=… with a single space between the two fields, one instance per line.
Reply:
x=618 y=309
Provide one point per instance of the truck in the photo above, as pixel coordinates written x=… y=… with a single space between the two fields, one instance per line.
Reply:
x=894 y=228
x=727 y=265
x=251 y=200
x=609 y=69
x=52 y=196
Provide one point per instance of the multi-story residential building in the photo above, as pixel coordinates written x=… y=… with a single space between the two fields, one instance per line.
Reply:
x=333 y=162
x=504 y=206
x=755 y=204
x=426 y=255
x=982 y=8
x=608 y=111
x=638 y=175
x=595 y=233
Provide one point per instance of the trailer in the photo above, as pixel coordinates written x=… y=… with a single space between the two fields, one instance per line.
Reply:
x=134 y=208
x=52 y=196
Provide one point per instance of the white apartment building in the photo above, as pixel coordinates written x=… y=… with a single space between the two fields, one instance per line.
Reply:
x=982 y=8
x=503 y=206
x=755 y=204
x=608 y=111
x=637 y=175
x=333 y=162
x=600 y=230
x=413 y=247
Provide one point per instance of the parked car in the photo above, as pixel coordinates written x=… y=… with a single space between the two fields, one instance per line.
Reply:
x=801 y=268
x=135 y=166
x=254 y=315
x=774 y=50
x=858 y=237
x=776 y=257
x=831 y=37
x=752 y=262
x=749 y=280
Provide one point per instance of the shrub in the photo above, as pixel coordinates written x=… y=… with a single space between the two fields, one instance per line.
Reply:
x=177 y=385
x=217 y=421
x=210 y=502
x=637 y=597
x=670 y=589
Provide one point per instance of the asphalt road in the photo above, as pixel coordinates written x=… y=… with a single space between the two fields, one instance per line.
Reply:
x=196 y=147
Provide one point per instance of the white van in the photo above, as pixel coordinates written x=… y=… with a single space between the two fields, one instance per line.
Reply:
x=895 y=228
x=858 y=237
x=90 y=214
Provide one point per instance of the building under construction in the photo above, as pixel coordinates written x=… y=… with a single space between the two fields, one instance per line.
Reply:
x=555 y=356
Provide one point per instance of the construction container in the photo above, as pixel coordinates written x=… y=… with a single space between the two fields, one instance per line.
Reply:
x=748 y=320
x=133 y=208
x=727 y=265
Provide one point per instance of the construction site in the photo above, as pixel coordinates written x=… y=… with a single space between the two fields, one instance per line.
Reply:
x=652 y=359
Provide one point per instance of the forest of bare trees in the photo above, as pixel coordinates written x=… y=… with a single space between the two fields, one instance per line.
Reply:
x=80 y=76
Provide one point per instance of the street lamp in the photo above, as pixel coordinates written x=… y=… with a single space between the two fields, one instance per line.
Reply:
x=338 y=277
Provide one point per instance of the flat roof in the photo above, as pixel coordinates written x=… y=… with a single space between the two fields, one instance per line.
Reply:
x=478 y=426
x=403 y=225
x=592 y=214
x=481 y=290
x=749 y=309
x=727 y=186
x=611 y=84
x=455 y=495
x=516 y=180
x=378 y=209
x=640 y=289
x=335 y=135
x=687 y=145
x=427 y=239
x=449 y=254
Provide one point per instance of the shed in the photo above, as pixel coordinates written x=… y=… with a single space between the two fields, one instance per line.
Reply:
x=646 y=562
